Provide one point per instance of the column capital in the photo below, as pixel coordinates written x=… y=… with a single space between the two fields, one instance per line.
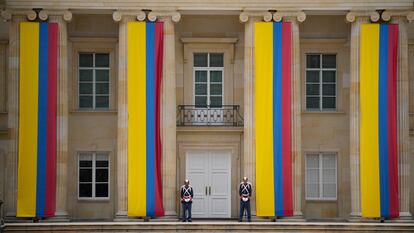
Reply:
x=139 y=14
x=352 y=15
x=65 y=14
x=174 y=15
x=8 y=14
x=299 y=15
x=245 y=15
x=387 y=14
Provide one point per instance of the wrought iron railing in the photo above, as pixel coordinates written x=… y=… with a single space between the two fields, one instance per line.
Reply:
x=226 y=115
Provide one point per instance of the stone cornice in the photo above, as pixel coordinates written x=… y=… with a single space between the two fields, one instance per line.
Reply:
x=352 y=15
x=139 y=14
x=386 y=15
x=175 y=15
x=299 y=15
x=245 y=15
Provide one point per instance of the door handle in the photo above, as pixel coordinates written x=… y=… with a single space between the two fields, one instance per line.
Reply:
x=209 y=190
x=206 y=190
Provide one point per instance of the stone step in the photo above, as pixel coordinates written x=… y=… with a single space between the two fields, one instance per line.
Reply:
x=209 y=226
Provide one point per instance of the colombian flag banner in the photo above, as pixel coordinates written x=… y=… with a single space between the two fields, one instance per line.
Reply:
x=36 y=185
x=145 y=57
x=378 y=130
x=273 y=58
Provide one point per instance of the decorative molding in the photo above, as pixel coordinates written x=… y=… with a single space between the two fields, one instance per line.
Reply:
x=386 y=15
x=139 y=14
x=8 y=14
x=373 y=15
x=279 y=15
x=195 y=40
x=66 y=14
x=175 y=15
x=245 y=15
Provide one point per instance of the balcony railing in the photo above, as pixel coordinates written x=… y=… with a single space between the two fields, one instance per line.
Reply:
x=191 y=115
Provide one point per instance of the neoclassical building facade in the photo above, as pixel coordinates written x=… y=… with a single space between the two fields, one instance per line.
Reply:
x=207 y=103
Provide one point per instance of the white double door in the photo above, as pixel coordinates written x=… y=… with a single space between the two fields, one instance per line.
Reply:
x=209 y=173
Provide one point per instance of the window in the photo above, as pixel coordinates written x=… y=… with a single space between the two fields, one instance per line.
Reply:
x=94 y=80
x=208 y=79
x=321 y=176
x=320 y=82
x=93 y=176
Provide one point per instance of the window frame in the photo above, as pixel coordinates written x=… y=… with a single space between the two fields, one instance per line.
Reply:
x=321 y=70
x=320 y=181
x=93 y=198
x=94 y=82
x=208 y=69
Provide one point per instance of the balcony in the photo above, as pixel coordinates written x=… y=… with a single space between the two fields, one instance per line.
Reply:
x=226 y=115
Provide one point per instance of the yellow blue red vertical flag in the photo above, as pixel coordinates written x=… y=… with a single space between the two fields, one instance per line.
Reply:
x=273 y=60
x=36 y=185
x=378 y=129
x=145 y=57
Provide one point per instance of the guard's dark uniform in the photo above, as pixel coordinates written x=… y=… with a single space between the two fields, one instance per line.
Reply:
x=187 y=193
x=245 y=191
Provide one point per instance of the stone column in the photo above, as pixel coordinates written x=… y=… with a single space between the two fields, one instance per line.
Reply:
x=295 y=18
x=354 y=112
x=13 y=115
x=249 y=159
x=61 y=18
x=401 y=18
x=122 y=140
x=168 y=116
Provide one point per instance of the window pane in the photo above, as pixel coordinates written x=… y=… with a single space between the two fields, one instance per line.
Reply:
x=101 y=190
x=328 y=161
x=328 y=89
x=201 y=89
x=102 y=88
x=102 y=102
x=85 y=88
x=201 y=76
x=312 y=89
x=101 y=175
x=312 y=161
x=201 y=101
x=328 y=76
x=216 y=60
x=102 y=75
x=329 y=102
x=85 y=60
x=312 y=190
x=83 y=163
x=216 y=101
x=328 y=176
x=85 y=75
x=312 y=76
x=102 y=60
x=215 y=89
x=329 y=190
x=216 y=76
x=200 y=59
x=101 y=163
x=329 y=61
x=85 y=102
x=312 y=61
x=85 y=190
x=85 y=175
x=312 y=102
x=312 y=176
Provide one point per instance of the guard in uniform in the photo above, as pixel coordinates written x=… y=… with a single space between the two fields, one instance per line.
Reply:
x=245 y=193
x=187 y=195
